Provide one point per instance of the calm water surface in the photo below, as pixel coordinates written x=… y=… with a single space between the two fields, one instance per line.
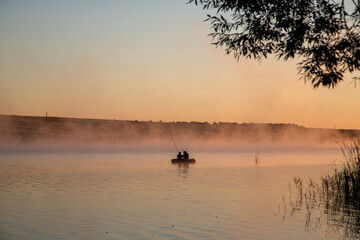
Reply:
x=142 y=196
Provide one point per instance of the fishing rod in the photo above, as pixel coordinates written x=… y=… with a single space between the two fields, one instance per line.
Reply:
x=173 y=141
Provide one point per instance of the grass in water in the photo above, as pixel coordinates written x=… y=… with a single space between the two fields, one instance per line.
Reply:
x=335 y=202
x=342 y=188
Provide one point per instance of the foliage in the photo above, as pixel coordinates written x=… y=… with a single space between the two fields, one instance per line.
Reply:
x=324 y=34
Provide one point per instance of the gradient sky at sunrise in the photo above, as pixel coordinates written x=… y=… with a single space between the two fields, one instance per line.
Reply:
x=148 y=60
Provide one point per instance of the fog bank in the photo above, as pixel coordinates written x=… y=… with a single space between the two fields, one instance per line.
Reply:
x=71 y=133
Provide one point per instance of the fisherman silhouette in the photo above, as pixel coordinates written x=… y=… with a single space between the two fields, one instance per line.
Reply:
x=186 y=155
x=183 y=158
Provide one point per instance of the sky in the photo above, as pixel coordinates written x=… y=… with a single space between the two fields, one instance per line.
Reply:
x=148 y=60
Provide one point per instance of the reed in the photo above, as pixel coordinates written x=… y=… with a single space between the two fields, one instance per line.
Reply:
x=336 y=199
x=342 y=187
x=257 y=155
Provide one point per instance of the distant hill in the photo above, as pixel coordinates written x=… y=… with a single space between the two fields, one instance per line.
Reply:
x=26 y=130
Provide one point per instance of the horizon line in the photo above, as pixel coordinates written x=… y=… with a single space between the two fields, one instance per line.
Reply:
x=161 y=121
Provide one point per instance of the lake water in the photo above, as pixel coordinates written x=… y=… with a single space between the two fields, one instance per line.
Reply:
x=117 y=195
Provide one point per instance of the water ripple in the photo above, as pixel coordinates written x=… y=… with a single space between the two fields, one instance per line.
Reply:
x=133 y=196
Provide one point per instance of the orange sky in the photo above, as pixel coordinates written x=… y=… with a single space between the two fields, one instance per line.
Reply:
x=148 y=60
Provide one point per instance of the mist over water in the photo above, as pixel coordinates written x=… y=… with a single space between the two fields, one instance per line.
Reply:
x=46 y=133
x=103 y=179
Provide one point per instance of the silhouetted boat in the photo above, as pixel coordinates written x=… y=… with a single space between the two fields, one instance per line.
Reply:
x=177 y=160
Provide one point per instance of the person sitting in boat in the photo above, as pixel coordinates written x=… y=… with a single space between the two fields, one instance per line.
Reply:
x=186 y=155
x=179 y=156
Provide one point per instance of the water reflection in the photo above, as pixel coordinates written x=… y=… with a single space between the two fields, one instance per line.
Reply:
x=319 y=214
x=183 y=168
x=142 y=196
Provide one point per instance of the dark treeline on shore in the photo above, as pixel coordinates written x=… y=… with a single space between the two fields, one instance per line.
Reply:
x=31 y=130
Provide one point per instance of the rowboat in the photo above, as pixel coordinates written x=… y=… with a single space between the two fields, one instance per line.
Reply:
x=181 y=160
